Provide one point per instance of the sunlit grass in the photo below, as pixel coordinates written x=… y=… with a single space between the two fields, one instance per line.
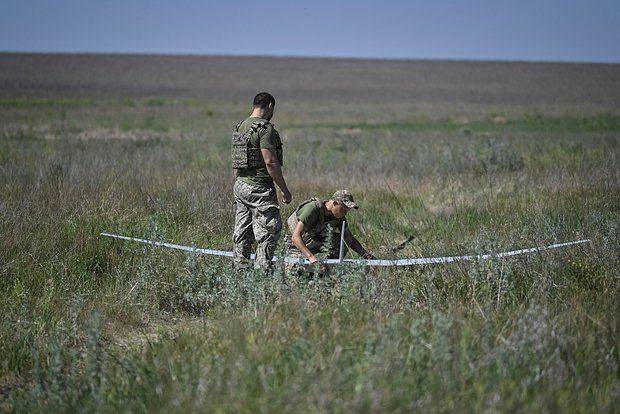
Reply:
x=93 y=324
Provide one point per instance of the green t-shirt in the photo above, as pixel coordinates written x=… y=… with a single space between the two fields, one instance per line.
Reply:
x=264 y=138
x=310 y=215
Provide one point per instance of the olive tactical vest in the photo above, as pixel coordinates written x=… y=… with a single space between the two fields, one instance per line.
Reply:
x=246 y=156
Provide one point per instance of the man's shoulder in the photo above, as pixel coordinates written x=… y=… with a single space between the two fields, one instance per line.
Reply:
x=260 y=122
x=253 y=121
x=266 y=128
x=310 y=205
x=268 y=136
x=310 y=208
x=315 y=202
x=261 y=126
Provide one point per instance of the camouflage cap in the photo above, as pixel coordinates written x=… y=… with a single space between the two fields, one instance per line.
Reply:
x=345 y=197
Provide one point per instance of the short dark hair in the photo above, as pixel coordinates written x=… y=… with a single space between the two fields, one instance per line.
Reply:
x=263 y=99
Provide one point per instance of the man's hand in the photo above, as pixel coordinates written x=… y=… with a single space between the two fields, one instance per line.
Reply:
x=286 y=196
x=368 y=256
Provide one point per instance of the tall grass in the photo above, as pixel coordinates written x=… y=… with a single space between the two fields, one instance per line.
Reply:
x=90 y=324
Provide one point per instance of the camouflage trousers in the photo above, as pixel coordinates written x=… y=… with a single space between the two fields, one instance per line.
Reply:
x=330 y=247
x=257 y=217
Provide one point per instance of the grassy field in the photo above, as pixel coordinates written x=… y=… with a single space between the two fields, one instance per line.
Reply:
x=468 y=157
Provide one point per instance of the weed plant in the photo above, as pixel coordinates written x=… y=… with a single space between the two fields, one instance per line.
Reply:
x=96 y=325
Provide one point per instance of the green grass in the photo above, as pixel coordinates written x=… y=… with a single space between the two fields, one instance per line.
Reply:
x=20 y=102
x=93 y=324
x=73 y=102
x=526 y=123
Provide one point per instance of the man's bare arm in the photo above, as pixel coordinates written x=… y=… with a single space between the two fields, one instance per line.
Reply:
x=299 y=243
x=275 y=171
x=357 y=247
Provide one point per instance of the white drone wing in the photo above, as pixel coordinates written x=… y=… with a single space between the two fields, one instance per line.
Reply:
x=376 y=262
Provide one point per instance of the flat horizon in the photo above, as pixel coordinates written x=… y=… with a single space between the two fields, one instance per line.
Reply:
x=303 y=56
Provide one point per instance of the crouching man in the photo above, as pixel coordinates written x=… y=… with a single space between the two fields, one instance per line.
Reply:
x=313 y=222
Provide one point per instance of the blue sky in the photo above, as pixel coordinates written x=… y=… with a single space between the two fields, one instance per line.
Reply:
x=550 y=30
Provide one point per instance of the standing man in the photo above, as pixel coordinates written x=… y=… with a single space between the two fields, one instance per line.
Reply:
x=314 y=220
x=257 y=164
